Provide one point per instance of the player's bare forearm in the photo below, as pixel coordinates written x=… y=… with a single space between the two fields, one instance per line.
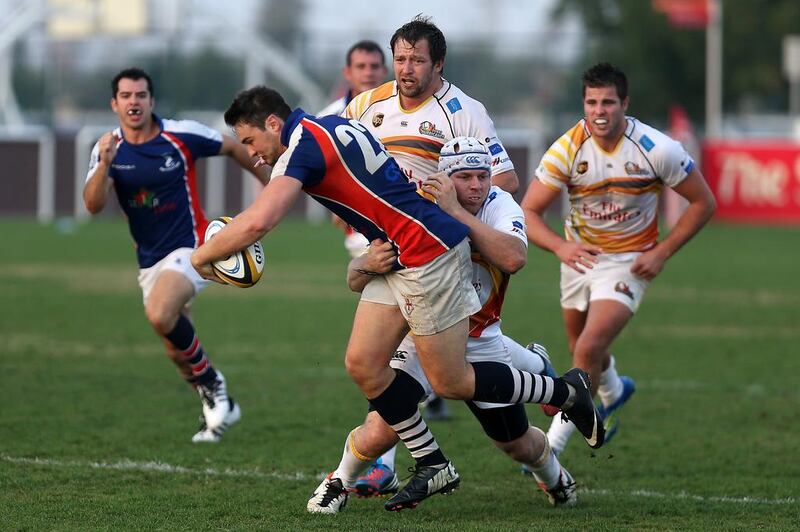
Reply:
x=508 y=181
x=95 y=192
x=700 y=210
x=238 y=152
x=378 y=260
x=503 y=250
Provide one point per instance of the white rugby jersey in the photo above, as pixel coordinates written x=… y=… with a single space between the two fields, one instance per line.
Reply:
x=502 y=213
x=336 y=107
x=614 y=195
x=414 y=137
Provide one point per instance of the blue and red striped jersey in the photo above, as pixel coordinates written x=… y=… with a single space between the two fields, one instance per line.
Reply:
x=342 y=166
x=156 y=185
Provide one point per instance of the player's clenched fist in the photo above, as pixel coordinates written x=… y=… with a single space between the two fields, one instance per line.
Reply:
x=108 y=147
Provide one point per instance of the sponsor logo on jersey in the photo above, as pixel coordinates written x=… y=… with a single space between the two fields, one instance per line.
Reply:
x=429 y=128
x=583 y=167
x=123 y=166
x=377 y=119
x=623 y=288
x=454 y=105
x=646 y=142
x=495 y=148
x=491 y=197
x=518 y=224
x=498 y=160
x=143 y=199
x=631 y=168
x=404 y=123
x=169 y=164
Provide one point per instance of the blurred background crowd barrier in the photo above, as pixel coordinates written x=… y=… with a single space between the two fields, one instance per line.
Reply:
x=723 y=77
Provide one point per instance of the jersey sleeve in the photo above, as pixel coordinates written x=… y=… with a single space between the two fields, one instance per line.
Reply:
x=201 y=140
x=553 y=170
x=94 y=160
x=302 y=160
x=504 y=214
x=470 y=119
x=671 y=161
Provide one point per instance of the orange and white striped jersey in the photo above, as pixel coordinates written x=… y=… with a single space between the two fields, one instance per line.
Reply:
x=502 y=213
x=614 y=195
x=414 y=137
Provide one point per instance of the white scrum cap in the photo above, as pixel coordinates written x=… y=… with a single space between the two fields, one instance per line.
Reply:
x=464 y=153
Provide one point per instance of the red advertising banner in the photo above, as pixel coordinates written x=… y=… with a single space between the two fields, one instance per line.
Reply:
x=754 y=181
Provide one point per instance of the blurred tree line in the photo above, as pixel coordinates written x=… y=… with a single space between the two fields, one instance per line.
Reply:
x=666 y=65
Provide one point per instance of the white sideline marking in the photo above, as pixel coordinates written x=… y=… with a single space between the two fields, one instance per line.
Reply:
x=161 y=467
x=158 y=467
x=688 y=496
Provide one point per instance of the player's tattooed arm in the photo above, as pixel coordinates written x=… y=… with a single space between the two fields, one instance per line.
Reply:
x=379 y=259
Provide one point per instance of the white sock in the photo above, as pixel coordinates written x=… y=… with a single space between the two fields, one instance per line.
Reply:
x=546 y=469
x=523 y=359
x=353 y=464
x=387 y=458
x=610 y=388
x=559 y=433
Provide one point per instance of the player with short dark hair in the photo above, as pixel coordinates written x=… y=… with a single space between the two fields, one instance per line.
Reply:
x=428 y=290
x=150 y=163
x=613 y=168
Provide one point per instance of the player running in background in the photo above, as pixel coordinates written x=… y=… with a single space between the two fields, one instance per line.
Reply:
x=428 y=290
x=613 y=167
x=365 y=70
x=414 y=116
x=499 y=245
x=150 y=162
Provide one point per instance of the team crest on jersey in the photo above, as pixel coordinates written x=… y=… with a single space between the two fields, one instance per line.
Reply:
x=623 y=288
x=377 y=119
x=429 y=128
x=583 y=167
x=169 y=163
x=631 y=168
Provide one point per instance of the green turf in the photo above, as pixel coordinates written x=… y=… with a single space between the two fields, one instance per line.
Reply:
x=95 y=425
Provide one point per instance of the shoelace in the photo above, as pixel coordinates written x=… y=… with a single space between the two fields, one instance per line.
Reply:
x=331 y=492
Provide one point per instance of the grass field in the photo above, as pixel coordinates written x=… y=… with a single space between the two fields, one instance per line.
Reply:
x=95 y=425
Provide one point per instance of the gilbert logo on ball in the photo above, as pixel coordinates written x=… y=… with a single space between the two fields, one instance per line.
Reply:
x=243 y=268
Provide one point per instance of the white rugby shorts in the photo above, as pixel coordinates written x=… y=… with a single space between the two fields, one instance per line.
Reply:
x=177 y=261
x=610 y=278
x=432 y=297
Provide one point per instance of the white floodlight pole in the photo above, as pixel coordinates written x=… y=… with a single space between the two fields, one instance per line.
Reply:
x=714 y=70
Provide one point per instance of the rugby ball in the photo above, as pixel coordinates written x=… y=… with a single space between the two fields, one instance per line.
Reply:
x=243 y=268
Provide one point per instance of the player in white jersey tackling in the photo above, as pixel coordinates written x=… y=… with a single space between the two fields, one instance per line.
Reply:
x=613 y=167
x=497 y=232
x=414 y=116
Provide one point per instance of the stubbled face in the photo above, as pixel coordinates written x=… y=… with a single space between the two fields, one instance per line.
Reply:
x=133 y=103
x=365 y=71
x=604 y=112
x=414 y=71
x=262 y=143
x=472 y=187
